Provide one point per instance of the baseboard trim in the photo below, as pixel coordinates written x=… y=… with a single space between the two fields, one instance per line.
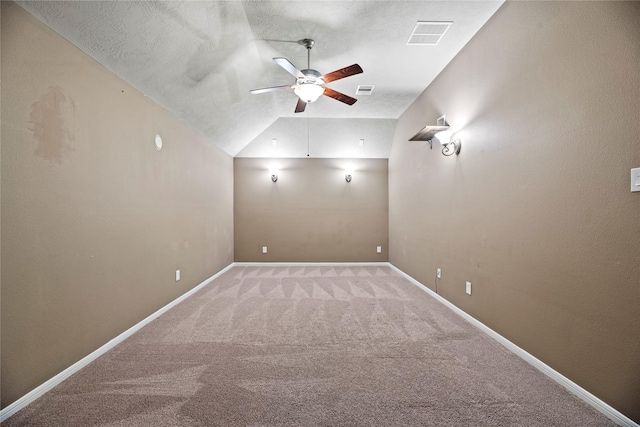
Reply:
x=595 y=402
x=311 y=264
x=51 y=383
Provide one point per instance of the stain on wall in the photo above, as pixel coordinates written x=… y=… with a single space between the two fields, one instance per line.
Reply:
x=52 y=120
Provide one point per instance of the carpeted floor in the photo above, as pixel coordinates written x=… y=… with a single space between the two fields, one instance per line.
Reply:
x=309 y=346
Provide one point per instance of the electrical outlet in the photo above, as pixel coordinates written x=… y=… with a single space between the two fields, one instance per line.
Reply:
x=468 y=288
x=438 y=273
x=264 y=249
x=379 y=249
x=635 y=180
x=177 y=275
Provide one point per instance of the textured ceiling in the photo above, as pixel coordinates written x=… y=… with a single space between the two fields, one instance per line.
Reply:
x=199 y=59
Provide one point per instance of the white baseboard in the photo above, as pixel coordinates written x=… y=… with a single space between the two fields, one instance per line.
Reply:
x=311 y=264
x=51 y=383
x=601 y=406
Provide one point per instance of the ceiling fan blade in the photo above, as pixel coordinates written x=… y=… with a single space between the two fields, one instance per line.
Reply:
x=342 y=73
x=339 y=96
x=300 y=106
x=270 y=89
x=289 y=67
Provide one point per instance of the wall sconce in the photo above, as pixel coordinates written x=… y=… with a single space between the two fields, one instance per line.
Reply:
x=348 y=175
x=440 y=131
x=450 y=146
x=274 y=174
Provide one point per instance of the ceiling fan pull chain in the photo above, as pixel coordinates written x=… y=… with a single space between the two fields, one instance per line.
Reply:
x=308 y=135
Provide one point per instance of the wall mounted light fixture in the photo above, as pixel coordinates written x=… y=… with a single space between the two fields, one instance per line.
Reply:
x=442 y=133
x=450 y=146
x=348 y=176
x=274 y=174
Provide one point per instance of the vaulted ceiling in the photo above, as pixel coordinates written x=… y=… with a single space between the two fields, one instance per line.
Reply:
x=199 y=59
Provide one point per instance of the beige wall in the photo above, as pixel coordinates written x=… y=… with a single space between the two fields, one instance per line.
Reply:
x=95 y=220
x=311 y=214
x=536 y=211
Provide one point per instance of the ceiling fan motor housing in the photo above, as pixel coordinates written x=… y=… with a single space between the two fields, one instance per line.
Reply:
x=310 y=76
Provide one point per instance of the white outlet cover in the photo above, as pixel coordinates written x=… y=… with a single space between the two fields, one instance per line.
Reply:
x=439 y=273
x=379 y=249
x=468 y=288
x=177 y=275
x=635 y=180
x=264 y=249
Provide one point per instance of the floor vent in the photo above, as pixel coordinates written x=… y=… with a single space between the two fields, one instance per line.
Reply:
x=364 y=89
x=428 y=32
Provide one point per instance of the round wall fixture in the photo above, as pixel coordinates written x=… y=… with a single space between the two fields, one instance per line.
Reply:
x=158 y=143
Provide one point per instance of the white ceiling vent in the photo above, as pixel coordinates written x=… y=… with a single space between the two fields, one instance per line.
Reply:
x=364 y=89
x=428 y=32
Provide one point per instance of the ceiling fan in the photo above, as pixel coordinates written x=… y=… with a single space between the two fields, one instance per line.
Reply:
x=310 y=84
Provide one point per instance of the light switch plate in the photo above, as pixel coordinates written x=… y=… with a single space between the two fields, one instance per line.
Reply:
x=635 y=180
x=264 y=249
x=379 y=249
x=177 y=275
x=468 y=288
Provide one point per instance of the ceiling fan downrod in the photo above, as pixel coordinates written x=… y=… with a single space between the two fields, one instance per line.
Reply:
x=308 y=43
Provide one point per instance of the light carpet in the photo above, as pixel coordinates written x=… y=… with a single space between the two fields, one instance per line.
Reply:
x=309 y=346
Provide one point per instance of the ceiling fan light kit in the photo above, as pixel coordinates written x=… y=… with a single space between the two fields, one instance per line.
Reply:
x=310 y=84
x=308 y=92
